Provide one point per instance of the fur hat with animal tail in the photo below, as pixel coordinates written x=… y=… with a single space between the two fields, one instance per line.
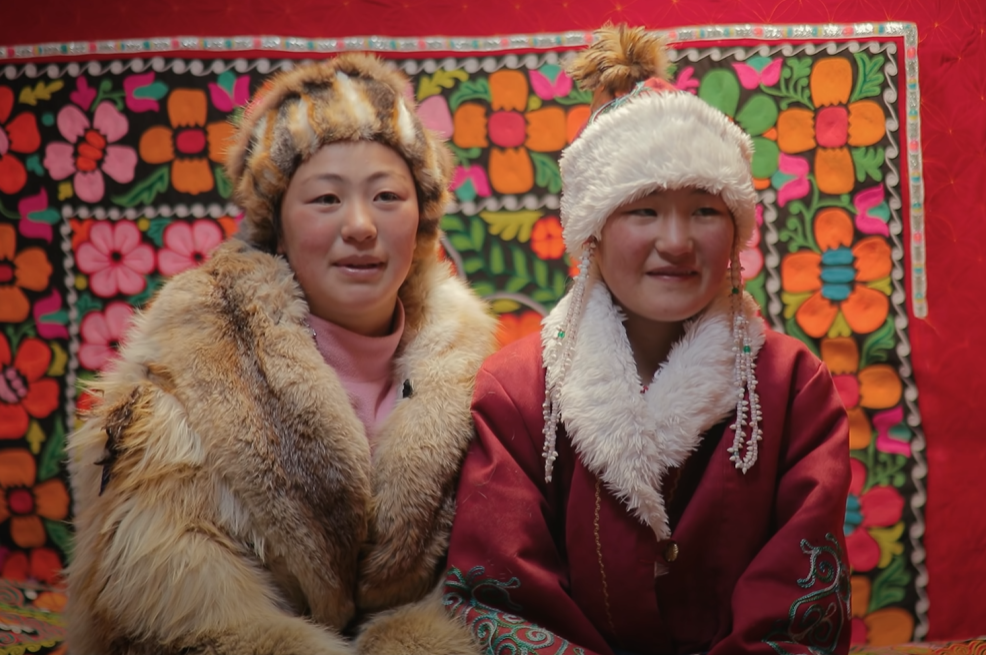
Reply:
x=644 y=135
x=353 y=97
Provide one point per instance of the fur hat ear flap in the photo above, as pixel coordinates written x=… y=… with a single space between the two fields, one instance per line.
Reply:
x=353 y=97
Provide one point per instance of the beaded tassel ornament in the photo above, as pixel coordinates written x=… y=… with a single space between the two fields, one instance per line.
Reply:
x=748 y=414
x=566 y=336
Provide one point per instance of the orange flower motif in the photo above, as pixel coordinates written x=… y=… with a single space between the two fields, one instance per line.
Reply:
x=517 y=326
x=513 y=131
x=27 y=269
x=546 y=238
x=25 y=392
x=189 y=144
x=876 y=386
x=832 y=126
x=820 y=285
x=25 y=503
x=887 y=626
x=41 y=564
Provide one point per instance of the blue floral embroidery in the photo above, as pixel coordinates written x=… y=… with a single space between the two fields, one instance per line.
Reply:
x=475 y=600
x=818 y=618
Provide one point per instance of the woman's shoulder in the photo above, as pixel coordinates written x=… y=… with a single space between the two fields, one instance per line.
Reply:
x=519 y=358
x=784 y=357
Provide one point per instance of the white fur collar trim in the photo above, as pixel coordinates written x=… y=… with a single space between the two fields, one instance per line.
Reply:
x=629 y=439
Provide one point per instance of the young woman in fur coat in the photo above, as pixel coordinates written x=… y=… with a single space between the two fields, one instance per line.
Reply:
x=655 y=472
x=271 y=464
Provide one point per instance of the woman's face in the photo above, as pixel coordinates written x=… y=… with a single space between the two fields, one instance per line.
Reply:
x=349 y=220
x=664 y=257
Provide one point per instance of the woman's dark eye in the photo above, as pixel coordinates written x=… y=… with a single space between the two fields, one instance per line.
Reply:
x=388 y=196
x=328 y=199
x=644 y=211
x=709 y=211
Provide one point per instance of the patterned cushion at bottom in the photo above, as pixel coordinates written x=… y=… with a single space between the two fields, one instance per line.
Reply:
x=976 y=647
x=29 y=619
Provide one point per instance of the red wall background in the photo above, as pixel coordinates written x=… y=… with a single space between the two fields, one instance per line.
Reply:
x=949 y=347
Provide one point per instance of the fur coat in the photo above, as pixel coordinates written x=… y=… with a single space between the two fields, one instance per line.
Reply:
x=225 y=497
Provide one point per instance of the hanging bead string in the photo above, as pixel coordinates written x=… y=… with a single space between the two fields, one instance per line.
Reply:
x=566 y=336
x=748 y=413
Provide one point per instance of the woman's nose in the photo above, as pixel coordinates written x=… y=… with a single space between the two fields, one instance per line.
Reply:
x=358 y=225
x=675 y=235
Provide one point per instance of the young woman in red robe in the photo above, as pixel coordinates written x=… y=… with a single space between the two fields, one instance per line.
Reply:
x=656 y=472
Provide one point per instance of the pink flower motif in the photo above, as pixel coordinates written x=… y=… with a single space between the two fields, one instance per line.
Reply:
x=88 y=154
x=550 y=81
x=102 y=332
x=186 y=246
x=115 y=259
x=685 y=81
x=880 y=507
x=230 y=92
x=757 y=70
x=751 y=258
x=143 y=93
x=434 y=114
x=467 y=183
x=791 y=178
x=872 y=212
x=886 y=440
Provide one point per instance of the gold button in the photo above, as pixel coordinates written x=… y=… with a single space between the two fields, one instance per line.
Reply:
x=671 y=551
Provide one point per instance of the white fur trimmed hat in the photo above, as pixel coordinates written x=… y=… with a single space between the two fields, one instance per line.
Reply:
x=353 y=97
x=649 y=136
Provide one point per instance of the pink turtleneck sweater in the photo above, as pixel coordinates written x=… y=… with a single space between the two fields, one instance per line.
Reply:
x=364 y=366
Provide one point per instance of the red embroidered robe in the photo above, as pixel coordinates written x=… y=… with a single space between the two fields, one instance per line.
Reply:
x=749 y=563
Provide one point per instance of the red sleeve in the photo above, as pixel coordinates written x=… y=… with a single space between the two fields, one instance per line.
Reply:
x=793 y=599
x=505 y=562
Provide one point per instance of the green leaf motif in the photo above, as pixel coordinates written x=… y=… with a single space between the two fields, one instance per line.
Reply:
x=144 y=193
x=794 y=83
x=560 y=280
x=461 y=242
x=766 y=154
x=453 y=224
x=155 y=231
x=157 y=90
x=869 y=76
x=877 y=346
x=223 y=185
x=792 y=328
x=546 y=173
x=868 y=163
x=472 y=265
x=483 y=288
x=520 y=263
x=758 y=115
x=576 y=97
x=470 y=90
x=497 y=263
x=17 y=331
x=511 y=225
x=478 y=232
x=541 y=272
x=50 y=462
x=33 y=164
x=140 y=299
x=721 y=89
x=465 y=155
x=87 y=303
x=795 y=236
x=890 y=585
x=61 y=536
x=516 y=284
x=756 y=288
x=442 y=79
